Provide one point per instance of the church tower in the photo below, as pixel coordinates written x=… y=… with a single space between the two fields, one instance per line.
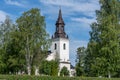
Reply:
x=60 y=43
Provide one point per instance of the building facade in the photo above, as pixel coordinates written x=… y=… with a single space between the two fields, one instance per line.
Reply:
x=60 y=45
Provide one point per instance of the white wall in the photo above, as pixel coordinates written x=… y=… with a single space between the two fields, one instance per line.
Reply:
x=51 y=56
x=61 y=65
x=63 y=54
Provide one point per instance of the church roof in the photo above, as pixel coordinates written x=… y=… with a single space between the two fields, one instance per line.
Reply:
x=60 y=31
x=60 y=19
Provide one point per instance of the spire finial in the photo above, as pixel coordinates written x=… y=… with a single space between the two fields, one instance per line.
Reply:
x=60 y=20
x=60 y=13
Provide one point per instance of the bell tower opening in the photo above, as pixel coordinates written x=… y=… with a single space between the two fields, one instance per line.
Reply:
x=55 y=46
x=64 y=46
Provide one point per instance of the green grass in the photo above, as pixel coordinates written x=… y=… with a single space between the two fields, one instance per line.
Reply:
x=26 y=77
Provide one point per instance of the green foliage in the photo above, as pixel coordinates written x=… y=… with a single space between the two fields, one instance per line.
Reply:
x=103 y=52
x=49 y=68
x=34 y=37
x=2 y=64
x=64 y=71
x=79 y=70
x=7 y=62
x=92 y=51
x=80 y=61
x=15 y=59
x=26 y=77
x=23 y=45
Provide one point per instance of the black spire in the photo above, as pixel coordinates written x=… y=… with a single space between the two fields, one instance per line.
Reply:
x=60 y=33
x=60 y=20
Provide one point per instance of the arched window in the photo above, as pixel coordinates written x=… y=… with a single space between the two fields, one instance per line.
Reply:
x=55 y=46
x=64 y=46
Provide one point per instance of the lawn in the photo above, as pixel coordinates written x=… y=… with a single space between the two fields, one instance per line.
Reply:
x=26 y=77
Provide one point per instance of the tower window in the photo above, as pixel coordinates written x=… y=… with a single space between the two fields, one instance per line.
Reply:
x=55 y=46
x=64 y=46
x=61 y=28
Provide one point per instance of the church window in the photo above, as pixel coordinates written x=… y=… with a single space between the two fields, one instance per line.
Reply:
x=64 y=46
x=55 y=46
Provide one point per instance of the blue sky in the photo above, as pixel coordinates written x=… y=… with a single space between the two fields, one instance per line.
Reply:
x=77 y=15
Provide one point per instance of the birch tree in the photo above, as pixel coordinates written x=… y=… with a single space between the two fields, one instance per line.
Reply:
x=34 y=37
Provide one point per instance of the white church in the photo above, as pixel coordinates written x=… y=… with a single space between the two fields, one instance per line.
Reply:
x=60 y=46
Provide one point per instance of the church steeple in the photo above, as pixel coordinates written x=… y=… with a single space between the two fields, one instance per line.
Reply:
x=60 y=33
x=60 y=44
x=60 y=20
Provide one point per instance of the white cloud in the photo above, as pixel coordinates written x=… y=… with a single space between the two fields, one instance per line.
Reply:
x=84 y=20
x=57 y=2
x=11 y=2
x=2 y=15
x=81 y=6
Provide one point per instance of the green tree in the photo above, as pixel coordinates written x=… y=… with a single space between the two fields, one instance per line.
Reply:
x=34 y=37
x=2 y=64
x=45 y=68
x=49 y=68
x=110 y=30
x=15 y=58
x=54 y=68
x=64 y=71
x=5 y=29
x=92 y=51
x=104 y=51
x=80 y=61
x=5 y=37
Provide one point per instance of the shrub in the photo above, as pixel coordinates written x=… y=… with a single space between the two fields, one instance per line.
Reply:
x=64 y=71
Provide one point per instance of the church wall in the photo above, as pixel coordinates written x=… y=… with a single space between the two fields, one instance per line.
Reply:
x=64 y=64
x=64 y=53
x=57 y=42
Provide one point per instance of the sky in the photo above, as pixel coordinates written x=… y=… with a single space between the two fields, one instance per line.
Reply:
x=77 y=15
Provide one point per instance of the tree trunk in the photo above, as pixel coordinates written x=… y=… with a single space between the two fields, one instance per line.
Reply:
x=28 y=60
x=109 y=74
x=29 y=70
x=36 y=71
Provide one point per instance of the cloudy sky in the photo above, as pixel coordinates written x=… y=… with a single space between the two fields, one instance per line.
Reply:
x=77 y=15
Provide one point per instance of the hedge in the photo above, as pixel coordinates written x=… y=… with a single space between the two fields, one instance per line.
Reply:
x=26 y=77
